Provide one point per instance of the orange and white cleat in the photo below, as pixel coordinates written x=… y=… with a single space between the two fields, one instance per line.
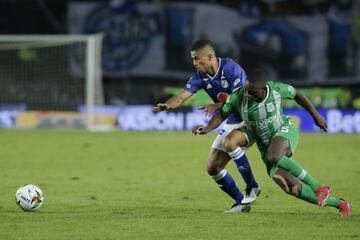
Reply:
x=322 y=194
x=344 y=208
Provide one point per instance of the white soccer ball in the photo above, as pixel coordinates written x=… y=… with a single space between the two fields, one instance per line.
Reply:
x=29 y=197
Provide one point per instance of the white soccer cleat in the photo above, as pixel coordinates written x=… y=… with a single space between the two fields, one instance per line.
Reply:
x=238 y=208
x=251 y=196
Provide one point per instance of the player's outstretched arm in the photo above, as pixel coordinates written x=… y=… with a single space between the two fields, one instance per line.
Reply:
x=213 y=123
x=210 y=109
x=306 y=103
x=173 y=102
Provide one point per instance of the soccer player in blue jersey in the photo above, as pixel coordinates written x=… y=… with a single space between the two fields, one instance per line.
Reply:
x=219 y=77
x=259 y=104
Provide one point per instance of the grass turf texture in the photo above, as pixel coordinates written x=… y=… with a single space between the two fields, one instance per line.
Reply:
x=151 y=185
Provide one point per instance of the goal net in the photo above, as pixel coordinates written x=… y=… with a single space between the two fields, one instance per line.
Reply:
x=52 y=73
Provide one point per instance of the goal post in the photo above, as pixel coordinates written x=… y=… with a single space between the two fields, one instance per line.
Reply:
x=94 y=89
x=53 y=73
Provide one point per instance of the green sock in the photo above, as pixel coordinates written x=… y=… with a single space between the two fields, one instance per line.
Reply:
x=296 y=170
x=332 y=202
x=308 y=195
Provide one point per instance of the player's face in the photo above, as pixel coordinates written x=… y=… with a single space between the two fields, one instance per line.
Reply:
x=201 y=60
x=253 y=92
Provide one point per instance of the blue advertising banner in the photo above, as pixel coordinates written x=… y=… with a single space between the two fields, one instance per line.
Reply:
x=8 y=115
x=141 y=118
x=338 y=120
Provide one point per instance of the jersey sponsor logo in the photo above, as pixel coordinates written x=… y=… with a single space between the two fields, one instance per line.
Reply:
x=222 y=97
x=263 y=122
x=209 y=86
x=270 y=107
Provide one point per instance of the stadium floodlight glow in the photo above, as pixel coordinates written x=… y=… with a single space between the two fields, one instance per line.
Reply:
x=53 y=73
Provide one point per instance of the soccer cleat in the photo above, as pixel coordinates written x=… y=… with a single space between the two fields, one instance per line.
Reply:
x=251 y=195
x=239 y=207
x=322 y=194
x=344 y=208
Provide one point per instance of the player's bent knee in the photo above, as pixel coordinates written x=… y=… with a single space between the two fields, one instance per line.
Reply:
x=296 y=189
x=228 y=144
x=282 y=183
x=272 y=157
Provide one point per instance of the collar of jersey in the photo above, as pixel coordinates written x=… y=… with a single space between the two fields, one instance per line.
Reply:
x=216 y=71
x=267 y=94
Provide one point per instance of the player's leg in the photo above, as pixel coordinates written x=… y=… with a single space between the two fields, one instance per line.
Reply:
x=287 y=182
x=293 y=186
x=279 y=151
x=233 y=143
x=238 y=154
x=216 y=168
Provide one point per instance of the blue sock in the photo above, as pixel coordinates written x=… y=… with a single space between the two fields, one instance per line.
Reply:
x=242 y=164
x=225 y=181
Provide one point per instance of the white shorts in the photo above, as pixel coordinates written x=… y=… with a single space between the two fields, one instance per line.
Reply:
x=225 y=130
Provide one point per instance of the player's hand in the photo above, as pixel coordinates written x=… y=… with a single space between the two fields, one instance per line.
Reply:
x=160 y=107
x=200 y=129
x=210 y=109
x=320 y=122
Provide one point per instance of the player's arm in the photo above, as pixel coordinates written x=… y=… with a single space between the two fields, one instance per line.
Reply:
x=213 y=123
x=218 y=118
x=173 y=102
x=211 y=108
x=306 y=103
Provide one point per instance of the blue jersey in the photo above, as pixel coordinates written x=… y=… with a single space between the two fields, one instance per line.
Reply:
x=228 y=78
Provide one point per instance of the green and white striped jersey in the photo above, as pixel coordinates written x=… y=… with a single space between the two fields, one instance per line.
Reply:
x=263 y=119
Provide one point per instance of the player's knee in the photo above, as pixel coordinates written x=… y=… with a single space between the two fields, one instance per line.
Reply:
x=212 y=169
x=229 y=144
x=273 y=157
x=282 y=183
x=296 y=189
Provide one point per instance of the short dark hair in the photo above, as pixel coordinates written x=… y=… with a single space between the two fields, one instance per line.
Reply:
x=257 y=76
x=201 y=43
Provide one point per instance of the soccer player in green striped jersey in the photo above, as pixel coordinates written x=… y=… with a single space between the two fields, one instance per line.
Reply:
x=259 y=104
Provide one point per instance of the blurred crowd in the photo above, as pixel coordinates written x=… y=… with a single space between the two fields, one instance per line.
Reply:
x=271 y=8
x=49 y=16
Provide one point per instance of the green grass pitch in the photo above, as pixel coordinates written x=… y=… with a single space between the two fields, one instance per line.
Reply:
x=153 y=185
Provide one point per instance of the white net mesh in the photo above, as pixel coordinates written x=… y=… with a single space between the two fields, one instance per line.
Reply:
x=51 y=73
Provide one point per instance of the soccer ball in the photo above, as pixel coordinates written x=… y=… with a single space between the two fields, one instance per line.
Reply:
x=29 y=197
